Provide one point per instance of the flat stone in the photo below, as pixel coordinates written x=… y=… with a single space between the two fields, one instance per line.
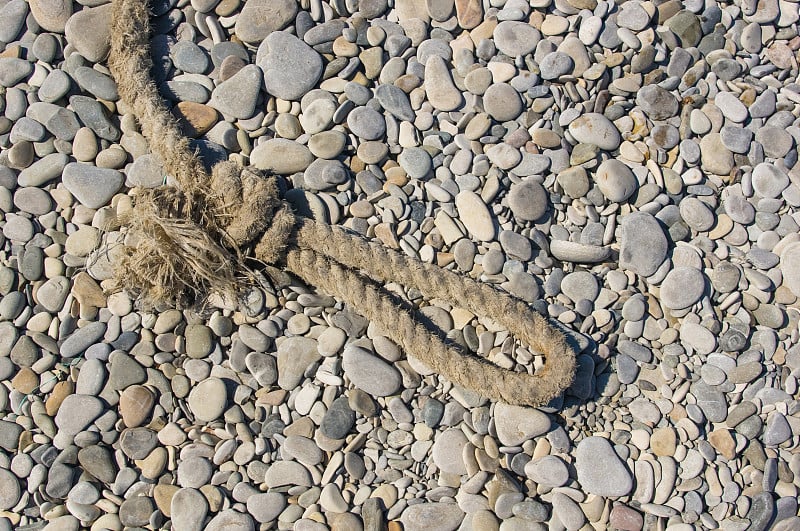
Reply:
x=82 y=338
x=549 y=471
x=682 y=287
x=502 y=102
x=395 y=101
x=10 y=491
x=616 y=180
x=282 y=473
x=260 y=18
x=710 y=400
x=266 y=507
x=237 y=96
x=790 y=257
x=295 y=356
x=594 y=128
x=263 y=367
x=643 y=245
x=439 y=87
x=281 y=156
x=208 y=399
x=93 y=115
x=77 y=412
x=528 y=200
x=475 y=215
x=600 y=470
x=469 y=13
x=13 y=14
x=135 y=405
x=447 y=450
x=188 y=510
x=715 y=157
x=555 y=64
x=89 y=31
x=696 y=214
x=291 y=67
x=92 y=186
x=427 y=516
x=515 y=38
x=656 y=102
x=370 y=373
x=516 y=425
x=731 y=107
x=568 y=512
x=338 y=420
x=578 y=252
x=13 y=70
x=769 y=180
x=366 y=123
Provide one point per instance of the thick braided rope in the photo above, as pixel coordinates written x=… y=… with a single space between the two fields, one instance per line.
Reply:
x=344 y=249
x=188 y=239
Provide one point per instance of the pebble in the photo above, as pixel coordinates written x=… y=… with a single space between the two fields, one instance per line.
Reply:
x=682 y=287
x=439 y=88
x=549 y=471
x=475 y=215
x=528 y=201
x=281 y=156
x=93 y=187
x=208 y=399
x=769 y=180
x=188 y=509
x=369 y=373
x=238 y=95
x=92 y=45
x=260 y=18
x=291 y=67
x=600 y=470
x=596 y=129
x=616 y=181
x=515 y=424
x=516 y=39
x=643 y=246
x=422 y=516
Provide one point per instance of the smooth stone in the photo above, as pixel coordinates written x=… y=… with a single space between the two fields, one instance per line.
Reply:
x=325 y=174
x=13 y=70
x=656 y=102
x=43 y=170
x=616 y=180
x=594 y=128
x=370 y=373
x=281 y=473
x=696 y=214
x=447 y=450
x=189 y=57
x=568 y=512
x=555 y=65
x=82 y=338
x=295 y=356
x=231 y=520
x=338 y=420
x=439 y=87
x=135 y=405
x=643 y=246
x=710 y=400
x=93 y=115
x=77 y=412
x=732 y=108
x=260 y=18
x=146 y=172
x=769 y=180
x=281 y=156
x=502 y=102
x=188 y=509
x=10 y=491
x=427 y=516
x=208 y=399
x=580 y=285
x=266 y=507
x=698 y=337
x=92 y=186
x=475 y=215
x=237 y=96
x=291 y=67
x=98 y=84
x=263 y=367
x=515 y=424
x=416 y=161
x=600 y=470
x=790 y=257
x=682 y=287
x=395 y=102
x=528 y=200
x=14 y=13
x=549 y=471
x=94 y=44
x=578 y=252
x=515 y=38
x=366 y=123
x=715 y=157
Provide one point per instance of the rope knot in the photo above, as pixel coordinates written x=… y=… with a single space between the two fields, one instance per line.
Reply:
x=183 y=243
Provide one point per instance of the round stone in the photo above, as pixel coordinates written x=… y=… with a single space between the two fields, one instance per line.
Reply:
x=528 y=200
x=208 y=399
x=502 y=102
x=682 y=287
x=616 y=180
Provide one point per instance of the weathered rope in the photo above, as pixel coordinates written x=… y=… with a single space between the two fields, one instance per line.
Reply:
x=188 y=240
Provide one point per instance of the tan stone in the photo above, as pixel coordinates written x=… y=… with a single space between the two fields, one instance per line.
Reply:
x=135 y=405
x=196 y=119
x=60 y=391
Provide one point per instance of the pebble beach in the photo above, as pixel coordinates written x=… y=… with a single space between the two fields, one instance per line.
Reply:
x=628 y=168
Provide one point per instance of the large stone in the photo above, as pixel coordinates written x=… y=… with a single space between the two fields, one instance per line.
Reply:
x=600 y=470
x=291 y=67
x=281 y=156
x=643 y=245
x=259 y=18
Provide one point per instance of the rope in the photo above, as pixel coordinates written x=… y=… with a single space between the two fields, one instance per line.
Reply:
x=184 y=242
